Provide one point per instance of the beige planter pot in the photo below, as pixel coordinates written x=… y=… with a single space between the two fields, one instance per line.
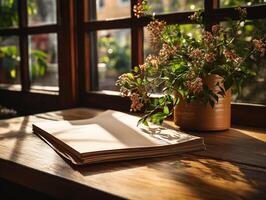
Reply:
x=200 y=117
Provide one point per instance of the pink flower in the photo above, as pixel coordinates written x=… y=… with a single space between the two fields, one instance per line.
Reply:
x=207 y=37
x=195 y=86
x=229 y=55
x=135 y=102
x=123 y=77
x=143 y=67
x=210 y=57
x=155 y=29
x=216 y=28
x=124 y=92
x=153 y=61
x=260 y=46
x=167 y=51
x=138 y=10
x=195 y=53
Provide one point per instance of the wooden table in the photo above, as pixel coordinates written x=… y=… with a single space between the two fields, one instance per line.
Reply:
x=233 y=167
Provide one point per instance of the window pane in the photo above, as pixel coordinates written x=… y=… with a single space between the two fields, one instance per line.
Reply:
x=192 y=30
x=8 y=13
x=41 y=12
x=9 y=62
x=235 y=3
x=112 y=9
x=253 y=91
x=163 y=6
x=43 y=61
x=114 y=56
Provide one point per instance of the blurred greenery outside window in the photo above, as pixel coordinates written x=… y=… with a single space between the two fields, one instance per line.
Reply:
x=114 y=56
x=9 y=60
x=9 y=52
x=236 y=3
x=254 y=90
x=168 y=6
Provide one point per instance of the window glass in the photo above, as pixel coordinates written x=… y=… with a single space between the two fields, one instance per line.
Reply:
x=167 y=6
x=254 y=90
x=233 y=3
x=114 y=56
x=9 y=61
x=43 y=61
x=41 y=12
x=110 y=9
x=8 y=13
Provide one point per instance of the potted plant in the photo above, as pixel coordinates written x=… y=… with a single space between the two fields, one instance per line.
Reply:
x=194 y=76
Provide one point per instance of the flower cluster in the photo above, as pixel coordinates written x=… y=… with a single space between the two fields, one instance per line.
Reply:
x=136 y=103
x=260 y=46
x=153 y=61
x=242 y=13
x=196 y=53
x=216 y=28
x=195 y=86
x=139 y=10
x=155 y=29
x=167 y=51
x=182 y=64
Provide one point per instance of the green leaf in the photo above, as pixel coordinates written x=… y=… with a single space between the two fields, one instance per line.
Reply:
x=13 y=73
x=136 y=69
x=166 y=110
x=130 y=76
x=161 y=100
x=143 y=121
x=139 y=81
x=155 y=102
x=219 y=71
x=39 y=54
x=228 y=83
x=158 y=118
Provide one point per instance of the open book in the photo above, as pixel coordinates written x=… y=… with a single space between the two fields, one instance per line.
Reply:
x=113 y=136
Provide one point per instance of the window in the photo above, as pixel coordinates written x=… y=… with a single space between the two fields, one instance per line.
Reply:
x=58 y=53
x=35 y=65
x=99 y=59
x=37 y=50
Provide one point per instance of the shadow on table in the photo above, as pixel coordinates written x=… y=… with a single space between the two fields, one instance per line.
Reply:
x=221 y=169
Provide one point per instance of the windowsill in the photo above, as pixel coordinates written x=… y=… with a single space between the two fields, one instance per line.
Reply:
x=245 y=114
x=13 y=87
x=53 y=90
x=157 y=95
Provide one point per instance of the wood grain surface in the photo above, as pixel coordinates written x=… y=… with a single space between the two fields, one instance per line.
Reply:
x=233 y=167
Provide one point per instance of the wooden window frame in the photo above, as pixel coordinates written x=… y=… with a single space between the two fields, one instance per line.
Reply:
x=242 y=114
x=29 y=100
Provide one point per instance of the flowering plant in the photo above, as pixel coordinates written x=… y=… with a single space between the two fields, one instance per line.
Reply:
x=182 y=63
